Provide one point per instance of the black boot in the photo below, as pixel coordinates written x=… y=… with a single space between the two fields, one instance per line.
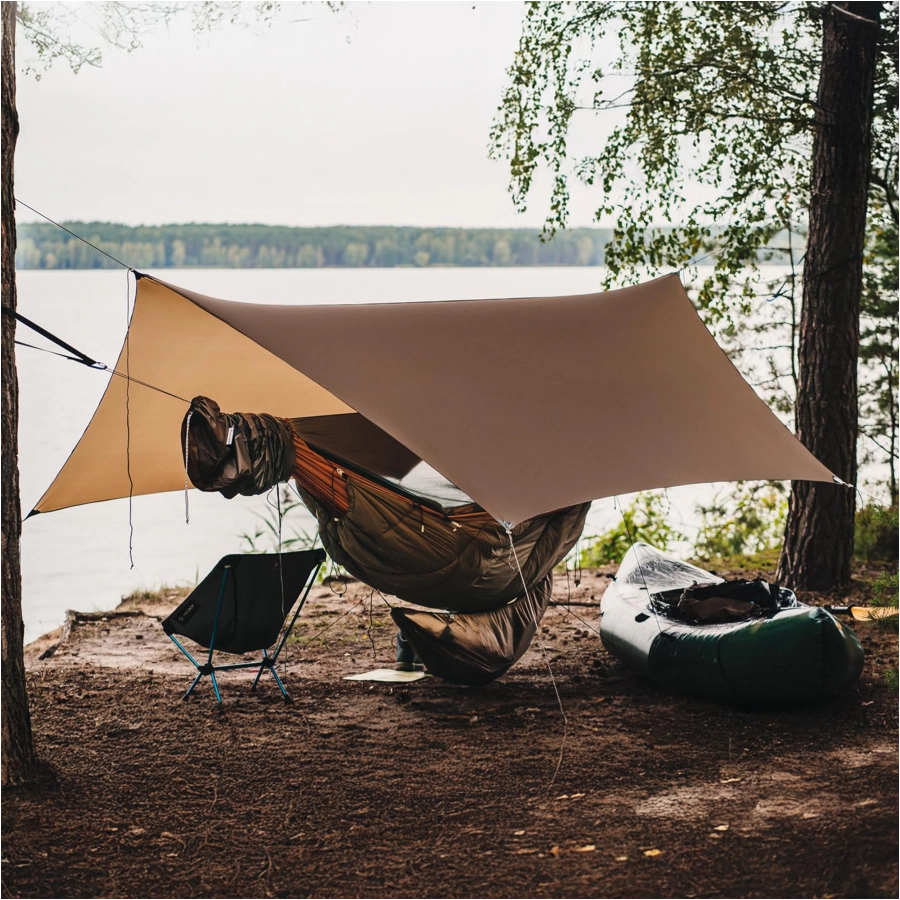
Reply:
x=407 y=661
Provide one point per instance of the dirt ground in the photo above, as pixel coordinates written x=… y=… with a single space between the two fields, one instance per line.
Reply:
x=430 y=790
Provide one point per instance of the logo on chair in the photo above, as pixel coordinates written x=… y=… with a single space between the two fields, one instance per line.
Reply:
x=183 y=616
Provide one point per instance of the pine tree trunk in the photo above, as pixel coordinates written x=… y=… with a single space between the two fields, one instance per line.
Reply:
x=19 y=760
x=818 y=543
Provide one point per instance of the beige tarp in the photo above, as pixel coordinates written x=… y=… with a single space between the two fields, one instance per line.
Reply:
x=528 y=405
x=176 y=346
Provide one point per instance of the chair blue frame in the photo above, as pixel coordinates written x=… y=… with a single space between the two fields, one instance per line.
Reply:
x=266 y=663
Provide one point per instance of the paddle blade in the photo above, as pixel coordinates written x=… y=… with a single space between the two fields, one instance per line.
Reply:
x=867 y=613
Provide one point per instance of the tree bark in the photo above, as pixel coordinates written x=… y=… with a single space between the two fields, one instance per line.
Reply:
x=19 y=759
x=818 y=542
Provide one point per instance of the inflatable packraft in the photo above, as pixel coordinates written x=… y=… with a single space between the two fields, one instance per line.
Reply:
x=747 y=642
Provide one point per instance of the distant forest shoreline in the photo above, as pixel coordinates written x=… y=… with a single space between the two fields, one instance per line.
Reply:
x=45 y=246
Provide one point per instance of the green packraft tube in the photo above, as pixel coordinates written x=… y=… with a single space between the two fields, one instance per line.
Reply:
x=791 y=654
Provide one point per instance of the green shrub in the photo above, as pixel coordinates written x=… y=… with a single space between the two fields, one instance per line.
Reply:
x=644 y=520
x=884 y=595
x=749 y=519
x=265 y=537
x=877 y=533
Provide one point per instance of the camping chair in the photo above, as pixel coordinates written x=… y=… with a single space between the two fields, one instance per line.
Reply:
x=240 y=607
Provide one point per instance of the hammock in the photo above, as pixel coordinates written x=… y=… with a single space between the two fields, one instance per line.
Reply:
x=460 y=559
x=444 y=555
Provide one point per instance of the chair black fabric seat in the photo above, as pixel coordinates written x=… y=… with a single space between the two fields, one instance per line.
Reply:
x=241 y=606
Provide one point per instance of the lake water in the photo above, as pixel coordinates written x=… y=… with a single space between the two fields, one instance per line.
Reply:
x=79 y=558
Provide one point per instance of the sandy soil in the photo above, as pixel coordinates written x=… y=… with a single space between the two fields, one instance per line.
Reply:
x=430 y=790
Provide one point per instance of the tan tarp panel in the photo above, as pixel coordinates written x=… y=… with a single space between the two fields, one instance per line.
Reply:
x=176 y=346
x=528 y=405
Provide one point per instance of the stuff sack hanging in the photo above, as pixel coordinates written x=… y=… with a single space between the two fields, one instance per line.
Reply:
x=235 y=453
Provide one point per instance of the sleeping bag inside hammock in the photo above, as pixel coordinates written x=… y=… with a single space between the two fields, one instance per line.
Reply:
x=434 y=547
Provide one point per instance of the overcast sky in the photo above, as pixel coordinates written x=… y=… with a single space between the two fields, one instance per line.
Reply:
x=377 y=115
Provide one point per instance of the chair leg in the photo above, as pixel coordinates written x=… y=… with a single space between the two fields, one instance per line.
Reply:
x=288 y=698
x=190 y=690
x=212 y=641
x=215 y=685
x=270 y=663
x=262 y=667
